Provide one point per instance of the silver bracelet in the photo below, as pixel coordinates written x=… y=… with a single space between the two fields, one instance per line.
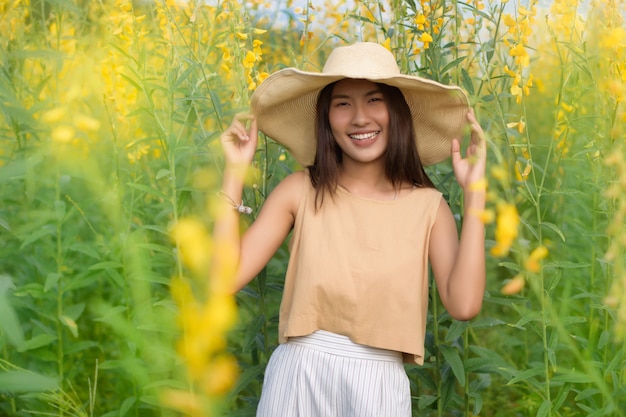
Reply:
x=241 y=208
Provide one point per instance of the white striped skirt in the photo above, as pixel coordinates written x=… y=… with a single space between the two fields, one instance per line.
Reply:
x=327 y=375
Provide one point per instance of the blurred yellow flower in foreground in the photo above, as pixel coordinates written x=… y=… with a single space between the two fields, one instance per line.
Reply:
x=53 y=116
x=86 y=123
x=63 y=134
x=194 y=244
x=507 y=223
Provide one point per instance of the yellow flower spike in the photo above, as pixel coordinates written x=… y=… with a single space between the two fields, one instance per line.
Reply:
x=184 y=401
x=55 y=115
x=507 y=223
x=220 y=376
x=86 y=123
x=249 y=60
x=509 y=21
x=220 y=311
x=63 y=134
x=514 y=286
x=420 y=20
x=194 y=244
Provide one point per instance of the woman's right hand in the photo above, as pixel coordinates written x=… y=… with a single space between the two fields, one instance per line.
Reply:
x=238 y=141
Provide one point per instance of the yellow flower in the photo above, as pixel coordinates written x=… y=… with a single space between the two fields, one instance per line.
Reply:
x=514 y=286
x=507 y=223
x=220 y=376
x=509 y=72
x=521 y=125
x=194 y=244
x=426 y=39
x=420 y=20
x=63 y=134
x=499 y=173
x=387 y=44
x=183 y=401
x=510 y=21
x=533 y=264
x=241 y=36
x=54 y=115
x=86 y=123
x=249 y=60
x=519 y=174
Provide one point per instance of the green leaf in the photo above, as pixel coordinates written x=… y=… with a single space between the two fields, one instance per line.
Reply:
x=467 y=81
x=52 y=280
x=544 y=410
x=452 y=64
x=38 y=234
x=455 y=330
x=525 y=375
x=478 y=402
x=37 y=342
x=126 y=406
x=452 y=357
x=574 y=377
x=251 y=332
x=9 y=324
x=70 y=324
x=164 y=173
x=554 y=228
x=249 y=375
x=425 y=401
x=23 y=381
x=149 y=190
x=105 y=265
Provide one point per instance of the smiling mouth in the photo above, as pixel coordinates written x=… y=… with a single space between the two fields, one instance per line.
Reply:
x=364 y=136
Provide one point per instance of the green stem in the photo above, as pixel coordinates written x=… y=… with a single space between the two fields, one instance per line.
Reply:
x=59 y=272
x=434 y=299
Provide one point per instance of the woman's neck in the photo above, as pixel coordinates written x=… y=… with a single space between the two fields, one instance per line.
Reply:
x=367 y=181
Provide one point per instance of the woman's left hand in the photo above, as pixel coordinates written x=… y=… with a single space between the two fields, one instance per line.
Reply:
x=470 y=171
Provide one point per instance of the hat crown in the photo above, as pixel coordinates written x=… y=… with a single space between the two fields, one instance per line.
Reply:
x=361 y=60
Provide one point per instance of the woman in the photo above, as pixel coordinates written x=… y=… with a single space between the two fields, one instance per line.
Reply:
x=367 y=222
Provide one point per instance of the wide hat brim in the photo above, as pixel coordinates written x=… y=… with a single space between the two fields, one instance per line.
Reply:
x=285 y=102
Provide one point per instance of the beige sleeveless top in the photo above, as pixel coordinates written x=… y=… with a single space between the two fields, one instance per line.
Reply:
x=359 y=267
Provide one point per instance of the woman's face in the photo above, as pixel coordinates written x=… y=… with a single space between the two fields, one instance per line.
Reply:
x=359 y=120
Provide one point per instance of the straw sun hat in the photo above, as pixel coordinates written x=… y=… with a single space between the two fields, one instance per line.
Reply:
x=285 y=103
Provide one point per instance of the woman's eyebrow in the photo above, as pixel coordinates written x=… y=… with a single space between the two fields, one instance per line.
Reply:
x=347 y=96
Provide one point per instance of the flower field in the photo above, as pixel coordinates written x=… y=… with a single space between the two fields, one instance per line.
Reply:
x=110 y=116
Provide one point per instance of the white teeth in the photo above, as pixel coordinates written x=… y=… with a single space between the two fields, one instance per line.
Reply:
x=364 y=136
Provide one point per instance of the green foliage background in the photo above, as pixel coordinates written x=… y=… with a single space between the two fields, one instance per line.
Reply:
x=109 y=117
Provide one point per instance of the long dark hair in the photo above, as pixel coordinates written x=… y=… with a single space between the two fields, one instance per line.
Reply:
x=402 y=162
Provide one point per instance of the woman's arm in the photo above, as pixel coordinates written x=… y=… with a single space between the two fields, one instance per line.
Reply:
x=458 y=264
x=244 y=256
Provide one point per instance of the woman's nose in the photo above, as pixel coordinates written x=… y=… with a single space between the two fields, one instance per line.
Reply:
x=360 y=117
